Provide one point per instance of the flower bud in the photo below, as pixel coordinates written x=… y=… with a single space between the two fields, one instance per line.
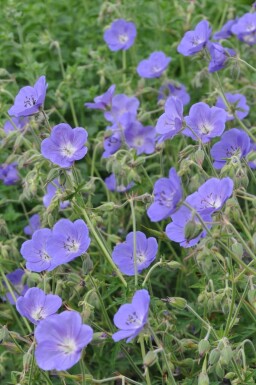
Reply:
x=3 y=334
x=219 y=370
x=108 y=206
x=237 y=249
x=174 y=265
x=87 y=265
x=192 y=230
x=203 y=347
x=177 y=302
x=203 y=379
x=226 y=354
x=214 y=356
x=98 y=338
x=199 y=157
x=252 y=298
x=150 y=358
x=27 y=358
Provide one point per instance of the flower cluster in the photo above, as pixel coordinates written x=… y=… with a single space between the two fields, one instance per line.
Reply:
x=50 y=248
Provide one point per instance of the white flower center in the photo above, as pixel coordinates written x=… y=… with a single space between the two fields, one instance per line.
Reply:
x=44 y=256
x=123 y=38
x=140 y=257
x=68 y=346
x=133 y=319
x=212 y=201
x=205 y=128
x=68 y=150
x=38 y=314
x=139 y=141
x=71 y=245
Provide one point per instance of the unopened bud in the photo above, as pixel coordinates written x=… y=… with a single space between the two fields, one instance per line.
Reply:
x=226 y=355
x=252 y=297
x=174 y=265
x=199 y=157
x=27 y=358
x=237 y=249
x=108 y=206
x=203 y=347
x=192 y=230
x=203 y=379
x=177 y=302
x=214 y=356
x=150 y=358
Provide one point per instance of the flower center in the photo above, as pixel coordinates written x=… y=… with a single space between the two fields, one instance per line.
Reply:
x=139 y=141
x=38 y=314
x=231 y=151
x=211 y=201
x=68 y=346
x=133 y=319
x=68 y=150
x=71 y=245
x=44 y=256
x=140 y=257
x=165 y=200
x=205 y=128
x=123 y=38
x=29 y=101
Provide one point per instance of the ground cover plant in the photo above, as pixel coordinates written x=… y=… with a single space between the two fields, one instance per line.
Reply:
x=127 y=196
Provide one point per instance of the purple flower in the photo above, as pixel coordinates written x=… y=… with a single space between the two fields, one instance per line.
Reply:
x=112 y=184
x=120 y=35
x=174 y=89
x=225 y=31
x=29 y=99
x=69 y=240
x=131 y=318
x=35 y=253
x=170 y=123
x=154 y=66
x=204 y=122
x=219 y=56
x=51 y=192
x=237 y=104
x=103 y=101
x=60 y=340
x=141 y=138
x=245 y=28
x=233 y=143
x=121 y=104
x=146 y=250
x=36 y=305
x=15 y=124
x=34 y=224
x=167 y=194
x=65 y=145
x=194 y=41
x=9 y=174
x=112 y=144
x=212 y=195
x=15 y=278
x=177 y=230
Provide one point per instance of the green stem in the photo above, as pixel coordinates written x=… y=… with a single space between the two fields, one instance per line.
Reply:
x=47 y=121
x=100 y=243
x=205 y=323
x=160 y=346
x=9 y=287
x=247 y=248
x=150 y=271
x=31 y=368
x=143 y=353
x=134 y=244
x=124 y=65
